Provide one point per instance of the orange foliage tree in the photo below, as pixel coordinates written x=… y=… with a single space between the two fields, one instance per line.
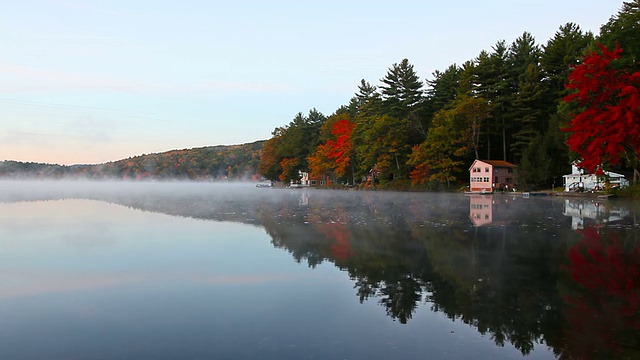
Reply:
x=288 y=168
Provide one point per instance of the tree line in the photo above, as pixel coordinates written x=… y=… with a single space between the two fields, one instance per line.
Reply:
x=224 y=162
x=510 y=103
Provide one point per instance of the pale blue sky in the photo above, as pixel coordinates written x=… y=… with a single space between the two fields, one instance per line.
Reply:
x=88 y=81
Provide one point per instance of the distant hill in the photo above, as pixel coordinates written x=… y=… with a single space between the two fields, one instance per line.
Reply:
x=222 y=162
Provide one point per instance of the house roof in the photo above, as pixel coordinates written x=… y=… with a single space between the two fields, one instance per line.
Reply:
x=496 y=163
x=610 y=174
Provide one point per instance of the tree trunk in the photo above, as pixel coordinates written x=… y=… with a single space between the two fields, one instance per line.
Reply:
x=488 y=144
x=504 y=141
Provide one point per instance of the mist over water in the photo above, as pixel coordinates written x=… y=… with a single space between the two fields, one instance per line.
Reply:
x=168 y=270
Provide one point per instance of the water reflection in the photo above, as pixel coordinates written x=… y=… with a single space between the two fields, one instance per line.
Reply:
x=528 y=272
x=602 y=302
x=491 y=209
x=594 y=211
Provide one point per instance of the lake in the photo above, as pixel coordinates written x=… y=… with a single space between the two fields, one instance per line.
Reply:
x=109 y=270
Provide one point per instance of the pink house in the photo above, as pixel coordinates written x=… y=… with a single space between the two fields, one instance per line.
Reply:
x=490 y=175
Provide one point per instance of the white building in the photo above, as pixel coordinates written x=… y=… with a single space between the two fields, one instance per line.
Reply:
x=578 y=180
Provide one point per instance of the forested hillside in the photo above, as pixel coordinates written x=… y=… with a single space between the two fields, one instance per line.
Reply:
x=234 y=162
x=510 y=102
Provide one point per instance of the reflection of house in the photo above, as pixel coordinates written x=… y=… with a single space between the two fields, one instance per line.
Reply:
x=599 y=212
x=489 y=175
x=489 y=209
x=324 y=179
x=579 y=181
x=480 y=209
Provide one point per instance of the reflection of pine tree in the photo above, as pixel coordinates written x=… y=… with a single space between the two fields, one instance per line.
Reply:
x=401 y=297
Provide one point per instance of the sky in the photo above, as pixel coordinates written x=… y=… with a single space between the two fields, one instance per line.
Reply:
x=92 y=81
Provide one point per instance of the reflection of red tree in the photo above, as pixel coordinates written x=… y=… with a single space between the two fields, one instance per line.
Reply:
x=604 y=309
x=340 y=249
x=335 y=228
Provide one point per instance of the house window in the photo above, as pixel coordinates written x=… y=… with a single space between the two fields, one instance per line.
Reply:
x=313 y=182
x=486 y=169
x=322 y=182
x=322 y=176
x=496 y=180
x=508 y=180
x=510 y=170
x=486 y=179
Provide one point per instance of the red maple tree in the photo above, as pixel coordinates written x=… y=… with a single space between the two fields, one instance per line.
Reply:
x=334 y=154
x=607 y=129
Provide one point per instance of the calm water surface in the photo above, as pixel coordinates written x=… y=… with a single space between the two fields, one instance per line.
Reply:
x=211 y=271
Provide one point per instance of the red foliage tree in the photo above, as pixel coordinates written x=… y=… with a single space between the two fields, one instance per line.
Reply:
x=341 y=148
x=608 y=127
x=334 y=154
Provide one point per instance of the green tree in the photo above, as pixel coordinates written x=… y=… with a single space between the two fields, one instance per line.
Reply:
x=624 y=29
x=382 y=141
x=452 y=138
x=528 y=109
x=528 y=112
x=561 y=53
x=546 y=158
x=368 y=100
x=292 y=144
x=401 y=89
x=494 y=84
x=443 y=89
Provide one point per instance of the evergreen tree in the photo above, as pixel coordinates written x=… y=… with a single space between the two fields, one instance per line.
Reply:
x=402 y=89
x=467 y=79
x=443 y=88
x=624 y=29
x=289 y=149
x=494 y=84
x=560 y=55
x=528 y=113
x=546 y=158
x=368 y=100
x=440 y=92
x=528 y=110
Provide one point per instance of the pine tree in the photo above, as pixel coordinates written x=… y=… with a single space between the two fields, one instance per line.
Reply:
x=624 y=29
x=560 y=55
x=402 y=89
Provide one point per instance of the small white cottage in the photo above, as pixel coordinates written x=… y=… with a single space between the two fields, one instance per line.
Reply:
x=578 y=180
